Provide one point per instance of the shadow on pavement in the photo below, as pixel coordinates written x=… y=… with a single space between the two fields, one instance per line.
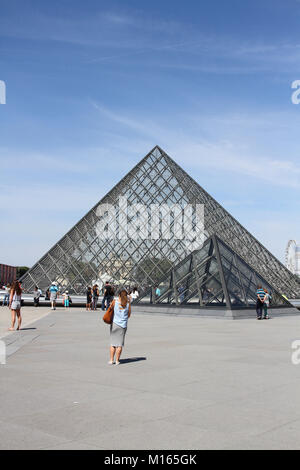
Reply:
x=24 y=329
x=132 y=359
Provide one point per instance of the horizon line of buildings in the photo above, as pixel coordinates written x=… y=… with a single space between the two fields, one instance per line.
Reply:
x=7 y=274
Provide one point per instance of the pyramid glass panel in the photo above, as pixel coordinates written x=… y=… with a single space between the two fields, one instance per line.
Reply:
x=214 y=276
x=116 y=239
x=212 y=292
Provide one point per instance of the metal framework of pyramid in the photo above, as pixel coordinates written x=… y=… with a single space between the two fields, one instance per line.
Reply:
x=83 y=256
x=214 y=276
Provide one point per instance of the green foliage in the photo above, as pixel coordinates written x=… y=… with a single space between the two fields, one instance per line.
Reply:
x=21 y=270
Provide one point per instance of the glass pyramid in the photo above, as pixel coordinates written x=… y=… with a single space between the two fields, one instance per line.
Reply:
x=140 y=258
x=213 y=276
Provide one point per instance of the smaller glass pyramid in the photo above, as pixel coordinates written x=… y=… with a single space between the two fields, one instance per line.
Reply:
x=213 y=276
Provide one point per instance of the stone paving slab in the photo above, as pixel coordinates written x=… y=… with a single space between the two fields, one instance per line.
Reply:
x=29 y=316
x=184 y=383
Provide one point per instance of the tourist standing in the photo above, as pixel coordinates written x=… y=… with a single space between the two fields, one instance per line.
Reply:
x=15 y=305
x=53 y=289
x=111 y=295
x=108 y=296
x=5 y=300
x=266 y=305
x=260 y=301
x=95 y=296
x=157 y=292
x=88 y=298
x=66 y=298
x=122 y=311
x=134 y=294
x=36 y=296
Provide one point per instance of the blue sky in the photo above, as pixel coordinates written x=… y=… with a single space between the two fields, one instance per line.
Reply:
x=92 y=86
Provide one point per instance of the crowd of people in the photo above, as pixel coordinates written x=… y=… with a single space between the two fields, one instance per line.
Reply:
x=108 y=294
x=13 y=293
x=118 y=305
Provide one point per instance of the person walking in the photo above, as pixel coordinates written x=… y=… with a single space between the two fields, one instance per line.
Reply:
x=260 y=301
x=53 y=289
x=88 y=298
x=15 y=305
x=5 y=300
x=122 y=311
x=267 y=301
x=36 y=296
x=95 y=296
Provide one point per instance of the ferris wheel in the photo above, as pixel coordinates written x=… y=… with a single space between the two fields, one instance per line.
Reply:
x=290 y=256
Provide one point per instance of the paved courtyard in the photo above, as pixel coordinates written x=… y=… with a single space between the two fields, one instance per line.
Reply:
x=30 y=315
x=184 y=383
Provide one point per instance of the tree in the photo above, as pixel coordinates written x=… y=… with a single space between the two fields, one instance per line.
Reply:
x=21 y=270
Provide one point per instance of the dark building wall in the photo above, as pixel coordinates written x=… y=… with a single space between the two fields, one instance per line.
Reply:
x=7 y=274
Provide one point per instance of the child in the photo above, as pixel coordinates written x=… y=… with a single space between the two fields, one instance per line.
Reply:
x=66 y=300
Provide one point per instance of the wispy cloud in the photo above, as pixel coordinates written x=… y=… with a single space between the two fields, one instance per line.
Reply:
x=119 y=35
x=33 y=161
x=233 y=153
x=140 y=126
x=228 y=158
x=216 y=98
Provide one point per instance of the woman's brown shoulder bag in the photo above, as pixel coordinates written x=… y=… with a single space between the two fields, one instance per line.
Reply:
x=109 y=314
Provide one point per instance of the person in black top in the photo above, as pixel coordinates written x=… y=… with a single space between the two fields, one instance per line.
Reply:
x=88 y=298
x=108 y=296
x=47 y=295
